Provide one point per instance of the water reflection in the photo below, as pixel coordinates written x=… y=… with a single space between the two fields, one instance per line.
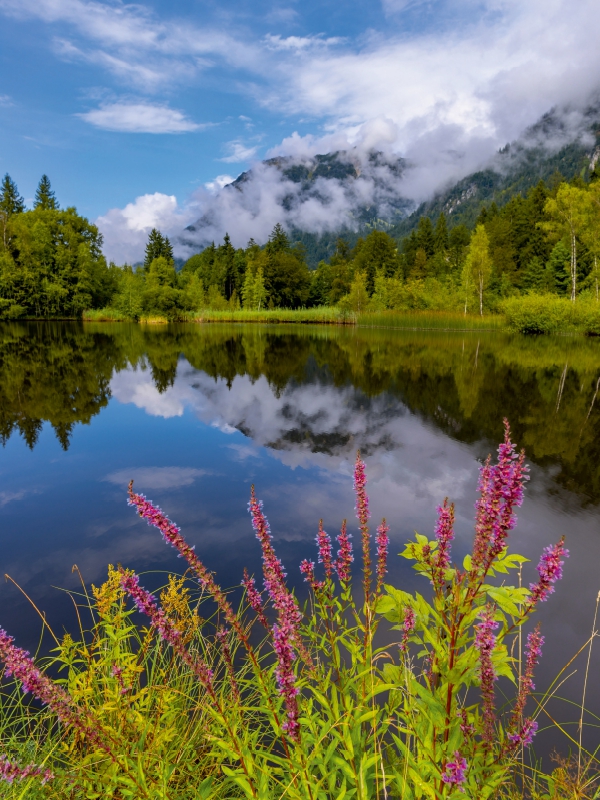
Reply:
x=314 y=391
x=196 y=413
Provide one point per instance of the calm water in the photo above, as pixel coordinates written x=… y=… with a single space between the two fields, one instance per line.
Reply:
x=195 y=414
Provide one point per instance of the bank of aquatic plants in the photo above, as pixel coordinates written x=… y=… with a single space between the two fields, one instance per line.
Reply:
x=189 y=696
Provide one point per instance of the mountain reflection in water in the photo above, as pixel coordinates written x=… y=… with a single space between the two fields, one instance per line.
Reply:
x=195 y=413
x=462 y=383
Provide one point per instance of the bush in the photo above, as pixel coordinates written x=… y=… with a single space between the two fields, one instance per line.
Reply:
x=534 y=314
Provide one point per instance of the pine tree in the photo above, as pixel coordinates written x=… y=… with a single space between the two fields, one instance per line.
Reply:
x=11 y=202
x=167 y=251
x=559 y=265
x=154 y=248
x=278 y=240
x=440 y=244
x=44 y=196
x=534 y=277
x=425 y=236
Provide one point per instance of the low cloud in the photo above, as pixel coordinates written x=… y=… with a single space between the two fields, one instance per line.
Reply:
x=139 y=118
x=126 y=230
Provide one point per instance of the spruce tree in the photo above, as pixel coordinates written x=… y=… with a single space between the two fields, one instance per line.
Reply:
x=278 y=240
x=167 y=251
x=11 y=202
x=44 y=196
x=425 y=236
x=154 y=248
x=441 y=234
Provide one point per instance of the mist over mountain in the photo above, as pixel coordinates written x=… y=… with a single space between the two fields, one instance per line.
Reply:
x=320 y=196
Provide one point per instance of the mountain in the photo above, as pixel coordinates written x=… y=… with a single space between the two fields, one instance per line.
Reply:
x=349 y=193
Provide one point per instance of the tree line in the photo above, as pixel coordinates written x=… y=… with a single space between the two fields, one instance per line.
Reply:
x=546 y=242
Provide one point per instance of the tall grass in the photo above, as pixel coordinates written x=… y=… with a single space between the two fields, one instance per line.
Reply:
x=201 y=700
x=431 y=320
x=318 y=315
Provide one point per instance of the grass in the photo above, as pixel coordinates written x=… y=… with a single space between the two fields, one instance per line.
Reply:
x=432 y=320
x=319 y=315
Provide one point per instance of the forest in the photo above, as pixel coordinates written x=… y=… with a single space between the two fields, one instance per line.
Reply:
x=545 y=244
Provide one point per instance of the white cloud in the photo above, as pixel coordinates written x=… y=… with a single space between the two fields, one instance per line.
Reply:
x=126 y=230
x=298 y=44
x=6 y=100
x=156 y=477
x=8 y=497
x=218 y=183
x=139 y=118
x=238 y=152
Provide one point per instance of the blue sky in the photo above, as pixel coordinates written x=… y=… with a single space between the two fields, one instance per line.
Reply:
x=139 y=105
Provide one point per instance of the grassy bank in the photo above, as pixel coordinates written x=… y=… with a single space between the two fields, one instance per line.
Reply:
x=431 y=320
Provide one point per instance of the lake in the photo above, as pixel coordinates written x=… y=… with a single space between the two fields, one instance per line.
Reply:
x=197 y=413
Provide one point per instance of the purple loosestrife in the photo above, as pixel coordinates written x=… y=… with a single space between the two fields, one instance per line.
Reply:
x=254 y=598
x=383 y=542
x=455 y=771
x=525 y=736
x=345 y=557
x=21 y=666
x=533 y=651
x=223 y=640
x=550 y=571
x=501 y=491
x=171 y=534
x=10 y=770
x=485 y=641
x=325 y=550
x=407 y=627
x=307 y=568
x=285 y=632
x=444 y=534
x=362 y=514
x=148 y=605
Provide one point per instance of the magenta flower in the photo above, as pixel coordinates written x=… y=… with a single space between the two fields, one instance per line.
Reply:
x=533 y=651
x=525 y=736
x=10 y=770
x=345 y=557
x=383 y=541
x=285 y=633
x=444 y=534
x=407 y=627
x=550 y=571
x=455 y=771
x=171 y=534
x=362 y=514
x=148 y=605
x=501 y=489
x=19 y=664
x=307 y=568
x=325 y=550
x=254 y=598
x=223 y=639
x=485 y=642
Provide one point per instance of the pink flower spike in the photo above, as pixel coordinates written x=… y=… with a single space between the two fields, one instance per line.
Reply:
x=10 y=770
x=485 y=641
x=362 y=514
x=525 y=736
x=147 y=604
x=325 y=550
x=444 y=534
x=501 y=491
x=408 y=627
x=383 y=541
x=345 y=557
x=254 y=598
x=455 y=771
x=21 y=666
x=550 y=571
